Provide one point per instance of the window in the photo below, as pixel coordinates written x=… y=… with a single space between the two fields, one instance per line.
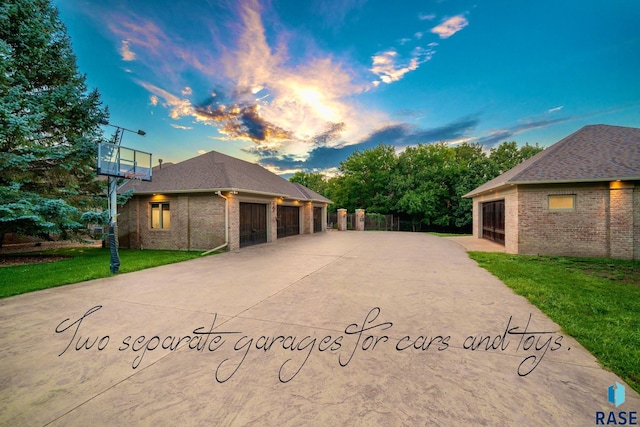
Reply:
x=562 y=202
x=160 y=215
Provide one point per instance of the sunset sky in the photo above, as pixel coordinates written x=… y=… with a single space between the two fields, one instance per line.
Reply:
x=299 y=85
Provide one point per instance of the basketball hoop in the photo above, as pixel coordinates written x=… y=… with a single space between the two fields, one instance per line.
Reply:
x=135 y=175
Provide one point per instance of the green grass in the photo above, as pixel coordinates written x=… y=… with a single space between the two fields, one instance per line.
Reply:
x=447 y=234
x=83 y=264
x=596 y=301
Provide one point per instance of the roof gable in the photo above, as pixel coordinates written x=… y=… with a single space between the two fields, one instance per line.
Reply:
x=593 y=153
x=216 y=171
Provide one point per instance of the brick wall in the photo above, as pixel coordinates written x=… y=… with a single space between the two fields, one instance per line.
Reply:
x=510 y=197
x=583 y=231
x=197 y=222
x=636 y=222
x=621 y=220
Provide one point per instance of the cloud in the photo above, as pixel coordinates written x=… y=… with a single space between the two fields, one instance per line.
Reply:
x=553 y=110
x=243 y=122
x=173 y=125
x=502 y=135
x=177 y=107
x=389 y=67
x=399 y=135
x=427 y=16
x=450 y=26
x=153 y=99
x=125 y=51
x=256 y=89
x=164 y=56
x=334 y=12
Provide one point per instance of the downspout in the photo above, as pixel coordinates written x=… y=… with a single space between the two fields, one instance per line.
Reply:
x=226 y=226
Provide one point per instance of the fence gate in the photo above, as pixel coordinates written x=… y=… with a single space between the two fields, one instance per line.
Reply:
x=380 y=222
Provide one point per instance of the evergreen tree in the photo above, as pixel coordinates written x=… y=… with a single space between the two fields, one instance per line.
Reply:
x=49 y=124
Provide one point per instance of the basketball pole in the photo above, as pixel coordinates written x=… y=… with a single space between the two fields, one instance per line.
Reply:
x=114 y=262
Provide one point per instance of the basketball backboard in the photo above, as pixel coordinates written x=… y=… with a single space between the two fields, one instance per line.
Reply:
x=123 y=162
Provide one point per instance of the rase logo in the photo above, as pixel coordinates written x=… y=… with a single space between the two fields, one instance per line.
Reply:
x=615 y=396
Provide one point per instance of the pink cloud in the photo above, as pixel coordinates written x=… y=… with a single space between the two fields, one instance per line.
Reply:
x=450 y=26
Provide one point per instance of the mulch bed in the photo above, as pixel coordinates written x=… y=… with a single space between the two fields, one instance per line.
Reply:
x=13 y=260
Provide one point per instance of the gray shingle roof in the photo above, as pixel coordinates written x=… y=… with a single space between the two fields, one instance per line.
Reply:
x=593 y=153
x=216 y=171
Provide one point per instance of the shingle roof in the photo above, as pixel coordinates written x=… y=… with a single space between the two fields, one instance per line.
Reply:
x=593 y=153
x=216 y=171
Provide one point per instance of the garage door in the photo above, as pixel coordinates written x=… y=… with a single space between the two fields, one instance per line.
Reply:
x=317 y=220
x=288 y=221
x=493 y=221
x=253 y=224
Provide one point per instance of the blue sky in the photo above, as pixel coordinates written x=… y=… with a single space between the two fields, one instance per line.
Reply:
x=299 y=85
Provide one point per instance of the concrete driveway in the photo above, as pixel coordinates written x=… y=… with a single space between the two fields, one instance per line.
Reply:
x=339 y=328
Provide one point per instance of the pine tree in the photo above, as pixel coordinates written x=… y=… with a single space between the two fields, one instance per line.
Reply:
x=49 y=124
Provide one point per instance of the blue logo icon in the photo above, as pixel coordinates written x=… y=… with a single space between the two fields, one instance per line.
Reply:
x=616 y=394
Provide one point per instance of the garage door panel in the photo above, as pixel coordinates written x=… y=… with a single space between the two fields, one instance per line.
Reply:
x=288 y=221
x=317 y=219
x=493 y=221
x=253 y=223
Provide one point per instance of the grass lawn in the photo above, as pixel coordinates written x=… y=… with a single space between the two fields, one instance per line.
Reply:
x=82 y=264
x=596 y=301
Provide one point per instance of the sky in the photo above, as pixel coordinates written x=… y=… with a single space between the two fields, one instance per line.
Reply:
x=298 y=85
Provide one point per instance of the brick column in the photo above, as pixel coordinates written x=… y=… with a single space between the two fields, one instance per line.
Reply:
x=272 y=229
x=234 y=222
x=342 y=219
x=621 y=220
x=307 y=218
x=359 y=219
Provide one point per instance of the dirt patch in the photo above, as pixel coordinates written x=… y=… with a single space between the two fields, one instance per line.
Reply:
x=13 y=260
x=45 y=246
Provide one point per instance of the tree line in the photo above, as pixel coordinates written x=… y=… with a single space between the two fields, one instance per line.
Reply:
x=423 y=185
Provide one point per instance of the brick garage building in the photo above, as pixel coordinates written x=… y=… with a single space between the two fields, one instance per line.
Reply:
x=579 y=197
x=215 y=200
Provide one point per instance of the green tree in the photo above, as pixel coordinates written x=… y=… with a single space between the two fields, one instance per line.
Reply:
x=507 y=155
x=475 y=169
x=364 y=180
x=314 y=181
x=49 y=124
x=424 y=183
